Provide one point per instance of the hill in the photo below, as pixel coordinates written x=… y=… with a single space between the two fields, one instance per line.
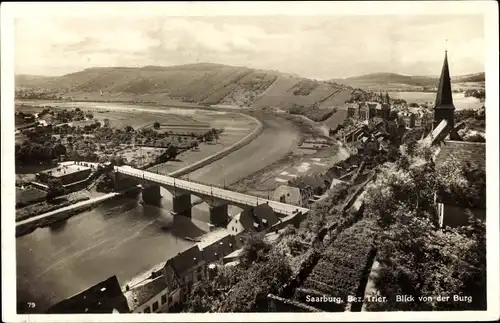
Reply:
x=203 y=83
x=393 y=80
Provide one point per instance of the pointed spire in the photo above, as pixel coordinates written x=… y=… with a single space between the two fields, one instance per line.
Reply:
x=444 y=99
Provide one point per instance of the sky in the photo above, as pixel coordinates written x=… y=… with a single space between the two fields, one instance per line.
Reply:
x=320 y=47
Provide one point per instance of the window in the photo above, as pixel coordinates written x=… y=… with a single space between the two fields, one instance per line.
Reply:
x=163 y=299
x=147 y=310
x=155 y=306
x=170 y=299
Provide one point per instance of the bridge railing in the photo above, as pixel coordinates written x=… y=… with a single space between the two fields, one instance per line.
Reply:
x=209 y=192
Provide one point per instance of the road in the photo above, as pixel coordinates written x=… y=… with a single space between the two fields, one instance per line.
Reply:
x=207 y=190
x=67 y=208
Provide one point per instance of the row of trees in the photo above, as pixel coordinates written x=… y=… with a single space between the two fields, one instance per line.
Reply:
x=33 y=153
x=476 y=93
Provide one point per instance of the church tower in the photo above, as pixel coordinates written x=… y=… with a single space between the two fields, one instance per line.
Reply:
x=443 y=107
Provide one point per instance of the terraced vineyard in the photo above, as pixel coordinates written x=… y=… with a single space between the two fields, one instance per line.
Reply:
x=343 y=267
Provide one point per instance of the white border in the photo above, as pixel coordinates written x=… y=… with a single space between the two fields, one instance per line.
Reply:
x=489 y=9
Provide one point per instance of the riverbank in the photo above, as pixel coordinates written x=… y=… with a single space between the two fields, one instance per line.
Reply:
x=61 y=214
x=33 y=210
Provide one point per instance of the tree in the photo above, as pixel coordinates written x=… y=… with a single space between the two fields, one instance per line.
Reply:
x=89 y=116
x=156 y=125
x=215 y=134
x=171 y=152
x=55 y=189
x=255 y=248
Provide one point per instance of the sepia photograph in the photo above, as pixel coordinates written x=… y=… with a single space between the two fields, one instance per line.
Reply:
x=313 y=159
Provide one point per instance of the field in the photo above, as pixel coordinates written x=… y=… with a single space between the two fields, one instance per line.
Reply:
x=28 y=195
x=235 y=129
x=461 y=102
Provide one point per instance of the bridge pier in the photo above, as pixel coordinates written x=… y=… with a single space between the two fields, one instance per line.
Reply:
x=219 y=215
x=151 y=195
x=181 y=202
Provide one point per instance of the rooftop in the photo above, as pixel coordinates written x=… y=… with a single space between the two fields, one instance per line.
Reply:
x=104 y=297
x=142 y=293
x=212 y=236
x=185 y=260
x=462 y=151
x=65 y=169
x=218 y=249
x=292 y=194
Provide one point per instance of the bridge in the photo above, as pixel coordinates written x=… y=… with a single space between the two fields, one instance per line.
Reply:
x=217 y=198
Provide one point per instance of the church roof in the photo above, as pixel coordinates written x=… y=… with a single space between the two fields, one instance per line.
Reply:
x=444 y=99
x=473 y=153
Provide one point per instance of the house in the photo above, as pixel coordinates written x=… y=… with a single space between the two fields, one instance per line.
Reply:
x=104 y=297
x=407 y=119
x=150 y=296
x=182 y=272
x=368 y=110
x=220 y=248
x=255 y=219
x=288 y=194
x=366 y=144
x=383 y=111
x=353 y=110
x=452 y=211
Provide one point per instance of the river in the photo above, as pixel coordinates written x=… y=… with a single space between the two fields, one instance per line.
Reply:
x=123 y=237
x=460 y=101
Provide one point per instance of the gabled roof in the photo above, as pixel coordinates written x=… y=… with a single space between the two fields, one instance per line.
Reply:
x=185 y=260
x=139 y=295
x=292 y=194
x=258 y=218
x=104 y=297
x=444 y=98
x=219 y=249
x=266 y=215
x=464 y=152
